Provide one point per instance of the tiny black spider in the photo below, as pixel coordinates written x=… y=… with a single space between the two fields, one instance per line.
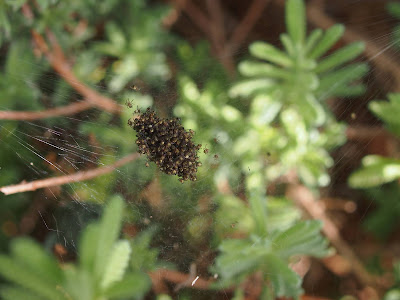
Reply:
x=166 y=143
x=206 y=150
x=216 y=156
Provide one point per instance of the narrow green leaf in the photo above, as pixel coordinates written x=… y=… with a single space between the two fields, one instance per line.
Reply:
x=313 y=39
x=88 y=246
x=339 y=57
x=239 y=256
x=343 y=76
x=117 y=263
x=268 y=52
x=17 y=273
x=285 y=282
x=251 y=68
x=287 y=43
x=295 y=20
x=248 y=87
x=394 y=9
x=331 y=36
x=17 y=293
x=375 y=171
x=133 y=285
x=109 y=231
x=304 y=238
x=79 y=283
x=36 y=260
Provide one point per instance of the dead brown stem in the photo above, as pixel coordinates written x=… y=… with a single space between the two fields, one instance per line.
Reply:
x=305 y=199
x=44 y=114
x=198 y=17
x=58 y=61
x=242 y=30
x=177 y=277
x=61 y=180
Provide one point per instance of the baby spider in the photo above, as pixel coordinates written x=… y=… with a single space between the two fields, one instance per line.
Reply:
x=135 y=88
x=129 y=103
x=147 y=164
x=206 y=150
x=216 y=156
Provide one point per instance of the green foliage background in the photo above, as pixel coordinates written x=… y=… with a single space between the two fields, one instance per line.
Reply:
x=267 y=122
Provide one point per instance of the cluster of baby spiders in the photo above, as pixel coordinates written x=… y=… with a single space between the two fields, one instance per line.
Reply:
x=167 y=144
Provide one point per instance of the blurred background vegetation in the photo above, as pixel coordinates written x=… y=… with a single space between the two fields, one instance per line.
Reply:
x=298 y=193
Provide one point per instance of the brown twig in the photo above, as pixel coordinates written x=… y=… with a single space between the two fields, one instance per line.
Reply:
x=198 y=17
x=376 y=55
x=44 y=114
x=58 y=61
x=176 y=277
x=242 y=30
x=61 y=180
x=305 y=199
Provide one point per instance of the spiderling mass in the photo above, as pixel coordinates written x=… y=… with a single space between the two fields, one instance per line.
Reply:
x=167 y=144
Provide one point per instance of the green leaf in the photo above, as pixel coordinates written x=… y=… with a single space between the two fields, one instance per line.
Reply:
x=109 y=231
x=331 y=36
x=287 y=43
x=239 y=256
x=30 y=254
x=17 y=293
x=388 y=111
x=336 y=82
x=295 y=20
x=17 y=273
x=117 y=264
x=313 y=39
x=394 y=9
x=79 y=284
x=375 y=170
x=304 y=238
x=270 y=53
x=132 y=285
x=143 y=257
x=285 y=282
x=250 y=68
x=339 y=57
x=248 y=87
x=88 y=246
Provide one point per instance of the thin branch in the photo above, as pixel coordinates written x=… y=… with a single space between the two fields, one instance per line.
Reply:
x=242 y=30
x=61 y=180
x=305 y=199
x=60 y=64
x=198 y=17
x=58 y=61
x=44 y=114
x=178 y=278
x=376 y=54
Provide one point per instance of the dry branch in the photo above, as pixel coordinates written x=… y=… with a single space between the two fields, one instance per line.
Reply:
x=305 y=199
x=177 y=278
x=60 y=64
x=61 y=180
x=44 y=114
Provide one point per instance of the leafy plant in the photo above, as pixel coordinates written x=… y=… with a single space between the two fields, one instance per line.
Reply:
x=103 y=270
x=376 y=170
x=287 y=127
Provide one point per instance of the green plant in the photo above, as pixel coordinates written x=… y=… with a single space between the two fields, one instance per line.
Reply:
x=376 y=170
x=286 y=127
x=102 y=272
